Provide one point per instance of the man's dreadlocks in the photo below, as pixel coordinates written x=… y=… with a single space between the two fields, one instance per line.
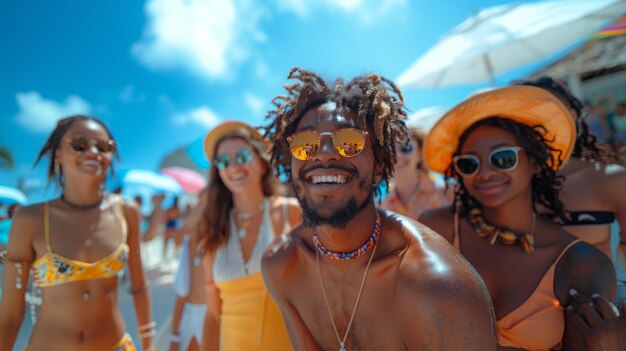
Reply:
x=377 y=100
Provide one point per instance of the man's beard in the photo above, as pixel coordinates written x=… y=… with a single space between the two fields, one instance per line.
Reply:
x=326 y=213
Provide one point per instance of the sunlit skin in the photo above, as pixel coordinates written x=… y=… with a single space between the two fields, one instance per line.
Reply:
x=240 y=178
x=511 y=274
x=593 y=186
x=412 y=184
x=245 y=184
x=590 y=187
x=406 y=167
x=490 y=186
x=79 y=315
x=416 y=284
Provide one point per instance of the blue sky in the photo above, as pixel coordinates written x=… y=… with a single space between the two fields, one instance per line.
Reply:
x=162 y=72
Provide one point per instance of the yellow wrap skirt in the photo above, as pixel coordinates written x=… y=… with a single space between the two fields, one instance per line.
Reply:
x=250 y=319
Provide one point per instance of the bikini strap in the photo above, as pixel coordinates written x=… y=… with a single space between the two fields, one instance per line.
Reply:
x=120 y=213
x=46 y=226
x=574 y=242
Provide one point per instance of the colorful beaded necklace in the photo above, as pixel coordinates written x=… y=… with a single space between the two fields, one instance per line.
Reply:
x=507 y=237
x=360 y=251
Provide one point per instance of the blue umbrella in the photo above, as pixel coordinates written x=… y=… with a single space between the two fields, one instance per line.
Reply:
x=141 y=178
x=10 y=196
x=5 y=227
x=145 y=183
x=195 y=151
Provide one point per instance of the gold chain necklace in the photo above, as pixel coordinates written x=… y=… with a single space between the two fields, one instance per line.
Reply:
x=342 y=343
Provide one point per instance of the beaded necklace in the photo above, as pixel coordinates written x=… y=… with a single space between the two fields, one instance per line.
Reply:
x=360 y=251
x=507 y=237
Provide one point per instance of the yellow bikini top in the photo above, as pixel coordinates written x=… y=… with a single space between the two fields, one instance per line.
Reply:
x=52 y=269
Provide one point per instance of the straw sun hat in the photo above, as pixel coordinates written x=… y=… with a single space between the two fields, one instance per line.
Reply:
x=232 y=128
x=524 y=104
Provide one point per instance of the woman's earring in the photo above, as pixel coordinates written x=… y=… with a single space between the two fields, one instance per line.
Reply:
x=57 y=170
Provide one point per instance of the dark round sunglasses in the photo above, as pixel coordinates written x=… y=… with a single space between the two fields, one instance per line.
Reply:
x=503 y=159
x=81 y=144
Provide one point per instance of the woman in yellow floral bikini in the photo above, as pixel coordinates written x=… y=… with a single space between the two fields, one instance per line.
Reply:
x=76 y=246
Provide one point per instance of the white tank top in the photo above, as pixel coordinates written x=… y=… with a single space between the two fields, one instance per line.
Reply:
x=229 y=263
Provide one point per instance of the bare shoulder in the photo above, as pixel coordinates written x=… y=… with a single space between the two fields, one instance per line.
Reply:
x=612 y=178
x=29 y=213
x=445 y=283
x=277 y=203
x=27 y=224
x=439 y=264
x=586 y=269
x=612 y=170
x=28 y=220
x=440 y=220
x=281 y=255
x=130 y=206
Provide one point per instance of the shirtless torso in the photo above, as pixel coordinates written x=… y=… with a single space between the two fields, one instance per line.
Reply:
x=415 y=288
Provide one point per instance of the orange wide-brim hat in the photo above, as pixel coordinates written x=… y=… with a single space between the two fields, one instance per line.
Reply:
x=528 y=105
x=231 y=128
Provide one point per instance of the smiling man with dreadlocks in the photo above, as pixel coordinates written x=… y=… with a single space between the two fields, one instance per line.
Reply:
x=352 y=277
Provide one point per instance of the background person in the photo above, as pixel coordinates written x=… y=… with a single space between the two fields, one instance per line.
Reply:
x=76 y=245
x=504 y=147
x=413 y=188
x=594 y=190
x=187 y=324
x=241 y=218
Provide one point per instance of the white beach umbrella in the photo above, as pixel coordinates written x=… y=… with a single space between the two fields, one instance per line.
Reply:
x=502 y=38
x=426 y=118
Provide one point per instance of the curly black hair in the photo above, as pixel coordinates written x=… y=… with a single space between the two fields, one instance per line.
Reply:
x=587 y=146
x=545 y=183
x=54 y=141
x=377 y=100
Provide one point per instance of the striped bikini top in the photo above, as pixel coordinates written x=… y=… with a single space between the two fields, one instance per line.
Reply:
x=52 y=269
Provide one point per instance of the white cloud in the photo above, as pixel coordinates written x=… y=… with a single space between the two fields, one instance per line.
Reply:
x=261 y=69
x=40 y=115
x=255 y=103
x=165 y=101
x=203 y=36
x=128 y=94
x=202 y=116
x=366 y=10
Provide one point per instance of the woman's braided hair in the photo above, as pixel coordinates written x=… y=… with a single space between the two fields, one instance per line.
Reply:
x=377 y=100
x=545 y=182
